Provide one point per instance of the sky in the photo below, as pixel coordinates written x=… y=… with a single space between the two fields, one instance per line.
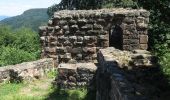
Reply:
x=17 y=7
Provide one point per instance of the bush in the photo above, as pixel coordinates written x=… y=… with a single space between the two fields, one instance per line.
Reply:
x=18 y=46
x=11 y=55
x=165 y=62
x=27 y=40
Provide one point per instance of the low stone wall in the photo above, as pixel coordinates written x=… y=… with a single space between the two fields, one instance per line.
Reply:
x=76 y=75
x=26 y=71
x=124 y=75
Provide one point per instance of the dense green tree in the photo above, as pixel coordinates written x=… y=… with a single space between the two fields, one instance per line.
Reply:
x=75 y=4
x=18 y=46
x=12 y=55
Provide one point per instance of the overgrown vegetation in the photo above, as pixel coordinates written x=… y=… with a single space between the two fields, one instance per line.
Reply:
x=18 y=46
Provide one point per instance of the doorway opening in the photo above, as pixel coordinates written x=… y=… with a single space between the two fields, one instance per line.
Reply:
x=116 y=37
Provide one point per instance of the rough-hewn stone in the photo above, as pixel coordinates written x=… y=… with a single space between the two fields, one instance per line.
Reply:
x=123 y=75
x=26 y=71
x=75 y=75
x=127 y=28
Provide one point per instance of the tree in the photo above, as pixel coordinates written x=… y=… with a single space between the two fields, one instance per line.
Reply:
x=75 y=4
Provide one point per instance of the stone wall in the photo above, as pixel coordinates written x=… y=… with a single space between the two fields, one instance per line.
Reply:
x=26 y=71
x=78 y=75
x=124 y=75
x=76 y=35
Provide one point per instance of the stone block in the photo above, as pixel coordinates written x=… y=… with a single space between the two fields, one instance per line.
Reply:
x=50 y=29
x=97 y=27
x=63 y=22
x=89 y=50
x=72 y=38
x=74 y=28
x=86 y=68
x=67 y=33
x=103 y=38
x=93 y=32
x=78 y=56
x=144 y=13
x=50 y=50
x=59 y=32
x=66 y=28
x=129 y=20
x=130 y=41
x=143 y=32
x=42 y=28
x=82 y=22
x=78 y=44
x=142 y=25
x=90 y=38
x=67 y=43
x=61 y=50
x=91 y=21
x=86 y=27
x=72 y=22
x=50 y=22
x=144 y=46
x=80 y=32
x=57 y=28
x=57 y=17
x=105 y=43
x=79 y=39
x=77 y=50
x=131 y=36
x=134 y=46
x=62 y=39
x=67 y=56
x=143 y=39
x=65 y=69
x=101 y=21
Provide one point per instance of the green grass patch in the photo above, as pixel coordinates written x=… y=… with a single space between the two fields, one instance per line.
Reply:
x=39 y=90
x=76 y=94
x=6 y=89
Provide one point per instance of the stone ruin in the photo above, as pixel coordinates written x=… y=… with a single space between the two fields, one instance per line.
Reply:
x=77 y=35
x=27 y=71
x=82 y=44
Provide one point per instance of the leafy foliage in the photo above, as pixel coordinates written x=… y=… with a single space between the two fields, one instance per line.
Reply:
x=119 y=3
x=75 y=4
x=18 y=46
x=32 y=18
x=11 y=55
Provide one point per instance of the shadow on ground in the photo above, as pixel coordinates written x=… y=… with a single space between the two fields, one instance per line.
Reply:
x=79 y=94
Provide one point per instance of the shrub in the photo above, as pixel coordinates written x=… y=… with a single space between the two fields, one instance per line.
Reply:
x=18 y=46
x=11 y=55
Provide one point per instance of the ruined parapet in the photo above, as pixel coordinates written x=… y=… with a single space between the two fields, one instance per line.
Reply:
x=80 y=75
x=125 y=75
x=27 y=71
x=76 y=35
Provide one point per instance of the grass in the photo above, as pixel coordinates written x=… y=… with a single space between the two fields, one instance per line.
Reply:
x=38 y=90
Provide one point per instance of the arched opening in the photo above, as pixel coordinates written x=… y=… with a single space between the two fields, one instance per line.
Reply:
x=116 y=37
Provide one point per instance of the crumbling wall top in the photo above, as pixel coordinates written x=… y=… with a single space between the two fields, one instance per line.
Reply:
x=104 y=12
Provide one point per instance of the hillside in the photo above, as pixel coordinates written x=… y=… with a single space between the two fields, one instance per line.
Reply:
x=32 y=18
x=3 y=17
